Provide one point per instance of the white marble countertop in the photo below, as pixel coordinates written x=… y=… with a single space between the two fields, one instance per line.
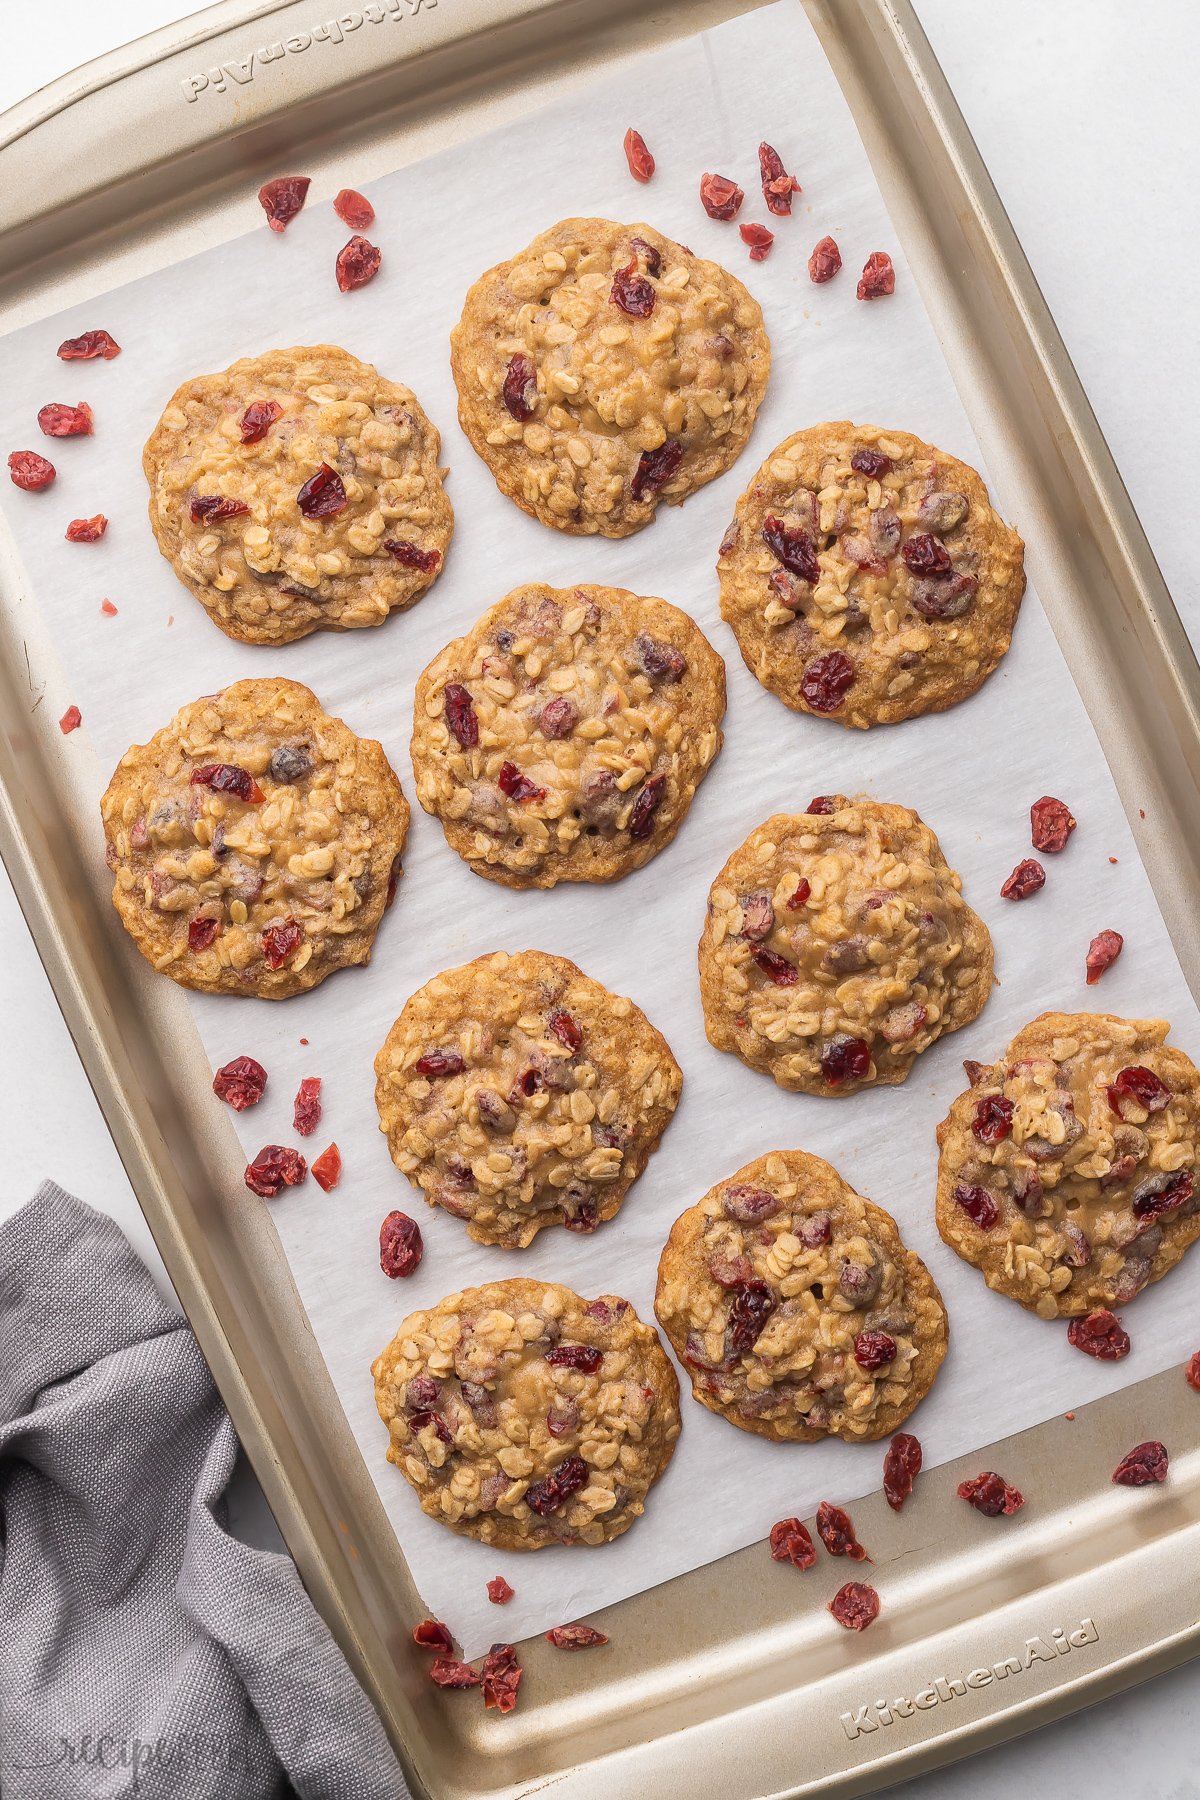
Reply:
x=1085 y=113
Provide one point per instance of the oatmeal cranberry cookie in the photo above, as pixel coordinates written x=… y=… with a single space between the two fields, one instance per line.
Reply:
x=525 y=1416
x=606 y=368
x=795 y=1307
x=867 y=577
x=518 y=1093
x=255 y=842
x=837 y=947
x=298 y=490
x=1067 y=1173
x=563 y=738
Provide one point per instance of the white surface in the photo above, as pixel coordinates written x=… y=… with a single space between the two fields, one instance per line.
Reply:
x=1072 y=108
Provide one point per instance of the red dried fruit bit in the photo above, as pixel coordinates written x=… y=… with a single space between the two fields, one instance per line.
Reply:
x=645 y=806
x=1161 y=1194
x=759 y=240
x=499 y=1592
x=776 y=968
x=826 y=680
x=792 y=546
x=437 y=1063
x=279 y=940
x=209 y=509
x=790 y=1542
x=641 y=163
x=978 y=1205
x=88 y=346
x=1103 y=952
x=1101 y=1335
x=925 y=554
x=201 y=933
x=1139 y=1084
x=57 y=420
x=258 y=419
x=306 y=1114
x=836 y=1532
x=777 y=185
x=357 y=263
x=276 y=1166
x=845 y=1059
x=649 y=255
x=870 y=462
x=753 y=1304
x=518 y=787
x=228 y=778
x=431 y=1634
x=353 y=209
x=327 y=1170
x=282 y=199
x=800 y=897
x=856 y=1605
x=501 y=1677
x=400 y=1245
x=520 y=390
x=240 y=1083
x=901 y=1466
x=632 y=292
x=990 y=1495
x=575 y=1637
x=822 y=803
x=878 y=277
x=655 y=468
x=30 y=471
x=547 y=1495
x=874 y=1349
x=1192 y=1373
x=460 y=714
x=825 y=261
x=1145 y=1463
x=71 y=720
x=1026 y=879
x=565 y=1028
x=1051 y=823
x=86 y=531
x=584 y=1357
x=322 y=494
x=411 y=556
x=993 y=1119
x=720 y=197
x=448 y=1672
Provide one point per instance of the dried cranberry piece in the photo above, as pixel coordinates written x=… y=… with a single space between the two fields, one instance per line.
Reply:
x=327 y=1170
x=720 y=197
x=559 y=717
x=57 y=420
x=901 y=1466
x=1103 y=952
x=925 y=554
x=258 y=419
x=411 y=556
x=553 y=1490
x=650 y=794
x=790 y=1542
x=322 y=494
x=979 y=1206
x=353 y=209
x=632 y=292
x=520 y=387
x=870 y=462
x=649 y=255
x=584 y=1218
x=1051 y=824
x=201 y=933
x=86 y=531
x=823 y=803
x=88 y=346
x=826 y=680
x=758 y=240
x=661 y=662
x=993 y=1119
x=991 y=1495
x=878 y=277
x=71 y=720
x=1192 y=1373
x=306 y=1114
x=855 y=1605
x=874 y=1350
x=943 y=596
x=655 y=468
x=836 y=1531
x=565 y=1028
x=845 y=1059
x=30 y=471
x=501 y=1677
x=825 y=261
x=401 y=1246
x=776 y=968
x=575 y=1637
x=431 y=1634
x=437 y=1063
x=1139 y=1084
x=792 y=546
x=641 y=163
x=584 y=1357
x=749 y=1205
x=461 y=716
x=275 y=1167
x=1101 y=1335
x=1144 y=1463
x=1161 y=1194
x=418 y=1421
x=777 y=185
x=357 y=263
x=281 y=938
x=240 y=1082
x=753 y=1304
x=449 y=1672
x=210 y=509
x=228 y=778
x=499 y=1592
x=1026 y=879
x=282 y=199
x=518 y=787
x=800 y=897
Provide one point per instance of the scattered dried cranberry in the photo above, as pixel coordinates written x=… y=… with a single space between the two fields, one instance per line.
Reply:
x=758 y=239
x=872 y=463
x=86 y=531
x=777 y=185
x=650 y=794
x=1026 y=879
x=565 y=1028
x=823 y=803
x=993 y=1119
x=753 y=1304
x=845 y=1059
x=655 y=468
x=240 y=1083
x=228 y=778
x=71 y=720
x=1192 y=1373
x=978 y=1204
x=790 y=1542
x=1101 y=1335
x=327 y=1170
x=553 y=1490
x=836 y=1532
x=792 y=546
x=641 y=163
x=499 y=1592
x=990 y=1495
x=1161 y=1194
x=826 y=680
x=584 y=1357
x=575 y=1637
x=1141 y=1085
x=357 y=263
x=501 y=1677
x=1051 y=824
x=878 y=277
x=306 y=1114
x=449 y=1672
x=925 y=554
x=57 y=420
x=901 y=1466
x=30 y=471
x=518 y=787
x=649 y=255
x=282 y=199
x=825 y=261
x=258 y=419
x=431 y=1634
x=1145 y=1463
x=720 y=197
x=632 y=292
x=874 y=1349
x=201 y=933
x=322 y=494
x=856 y=1605
x=353 y=209
x=461 y=716
x=437 y=1063
x=280 y=939
x=520 y=390
x=88 y=346
x=209 y=509
x=276 y=1166
x=401 y=1246
x=1103 y=952
x=411 y=556
x=776 y=968
x=800 y=897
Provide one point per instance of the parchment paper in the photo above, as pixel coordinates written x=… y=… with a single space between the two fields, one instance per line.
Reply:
x=971 y=772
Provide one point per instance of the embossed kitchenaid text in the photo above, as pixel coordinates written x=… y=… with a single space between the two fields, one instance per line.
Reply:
x=944 y=1688
x=225 y=77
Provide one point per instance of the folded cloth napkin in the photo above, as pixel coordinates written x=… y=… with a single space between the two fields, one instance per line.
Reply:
x=143 y=1650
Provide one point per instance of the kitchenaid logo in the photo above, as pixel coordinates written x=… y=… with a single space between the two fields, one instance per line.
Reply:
x=945 y=1688
x=225 y=77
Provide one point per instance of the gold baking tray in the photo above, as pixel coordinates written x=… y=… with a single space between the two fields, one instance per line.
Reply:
x=729 y=1682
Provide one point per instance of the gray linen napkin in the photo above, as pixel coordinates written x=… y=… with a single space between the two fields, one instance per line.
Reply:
x=142 y=1649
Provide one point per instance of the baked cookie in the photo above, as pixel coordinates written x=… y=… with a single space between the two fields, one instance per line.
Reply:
x=1067 y=1172
x=606 y=368
x=795 y=1307
x=837 y=946
x=525 y=1416
x=517 y=1093
x=866 y=576
x=298 y=490
x=255 y=842
x=563 y=738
